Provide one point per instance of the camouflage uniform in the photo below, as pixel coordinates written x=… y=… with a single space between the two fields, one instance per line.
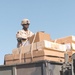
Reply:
x=22 y=37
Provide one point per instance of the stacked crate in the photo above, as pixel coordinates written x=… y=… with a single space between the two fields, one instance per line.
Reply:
x=69 y=43
x=42 y=48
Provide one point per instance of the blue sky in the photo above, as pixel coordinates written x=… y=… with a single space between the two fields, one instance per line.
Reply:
x=56 y=17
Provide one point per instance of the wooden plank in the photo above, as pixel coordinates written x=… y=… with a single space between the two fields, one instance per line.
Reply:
x=45 y=52
x=55 y=59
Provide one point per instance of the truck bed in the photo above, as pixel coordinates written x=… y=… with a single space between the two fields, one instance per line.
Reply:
x=35 y=68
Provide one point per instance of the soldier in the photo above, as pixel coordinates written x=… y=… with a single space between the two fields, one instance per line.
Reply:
x=23 y=35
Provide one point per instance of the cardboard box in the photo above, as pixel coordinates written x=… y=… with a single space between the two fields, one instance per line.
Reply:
x=40 y=36
x=18 y=58
x=68 y=39
x=29 y=47
x=39 y=46
x=25 y=49
x=15 y=51
x=50 y=45
x=70 y=46
x=11 y=59
x=8 y=62
x=45 y=52
x=50 y=55
x=54 y=59
x=12 y=62
x=8 y=57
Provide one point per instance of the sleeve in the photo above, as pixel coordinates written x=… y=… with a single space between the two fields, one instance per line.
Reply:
x=18 y=34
